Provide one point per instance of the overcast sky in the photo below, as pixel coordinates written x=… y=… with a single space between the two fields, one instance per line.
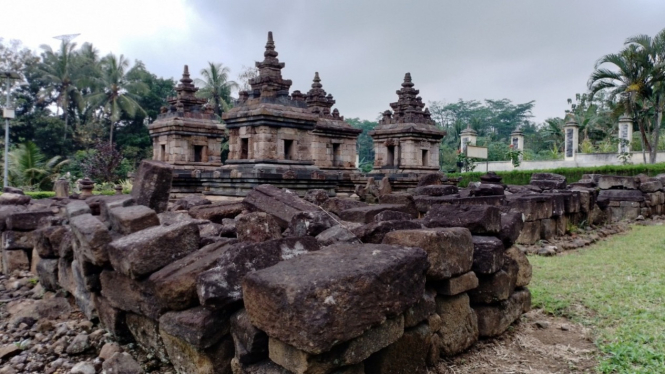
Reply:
x=542 y=50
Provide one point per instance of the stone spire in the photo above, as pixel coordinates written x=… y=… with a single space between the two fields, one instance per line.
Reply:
x=269 y=82
x=317 y=99
x=409 y=106
x=185 y=100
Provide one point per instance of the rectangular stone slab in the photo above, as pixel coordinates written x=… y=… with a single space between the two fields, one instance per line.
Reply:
x=366 y=214
x=479 y=219
x=280 y=203
x=324 y=298
x=449 y=250
x=149 y=250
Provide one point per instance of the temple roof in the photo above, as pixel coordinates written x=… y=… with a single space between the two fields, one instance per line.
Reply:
x=269 y=82
x=408 y=114
x=185 y=103
x=319 y=102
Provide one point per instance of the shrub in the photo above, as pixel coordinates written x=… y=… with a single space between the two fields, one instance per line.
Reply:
x=522 y=177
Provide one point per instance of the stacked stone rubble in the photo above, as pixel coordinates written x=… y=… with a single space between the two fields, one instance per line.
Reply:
x=281 y=284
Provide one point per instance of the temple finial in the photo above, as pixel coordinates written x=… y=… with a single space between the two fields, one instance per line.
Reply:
x=186 y=71
x=407 y=78
x=271 y=43
x=317 y=81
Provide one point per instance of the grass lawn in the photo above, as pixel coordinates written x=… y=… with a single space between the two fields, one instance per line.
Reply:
x=617 y=288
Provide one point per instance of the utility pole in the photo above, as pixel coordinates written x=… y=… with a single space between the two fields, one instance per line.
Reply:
x=8 y=114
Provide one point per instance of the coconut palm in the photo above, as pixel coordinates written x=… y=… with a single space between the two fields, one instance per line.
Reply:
x=57 y=72
x=216 y=87
x=117 y=95
x=29 y=168
x=654 y=48
x=628 y=84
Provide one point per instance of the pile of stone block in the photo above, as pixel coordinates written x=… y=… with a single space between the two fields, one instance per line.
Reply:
x=282 y=284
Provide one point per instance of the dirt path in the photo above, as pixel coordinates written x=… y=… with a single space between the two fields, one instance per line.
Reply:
x=537 y=344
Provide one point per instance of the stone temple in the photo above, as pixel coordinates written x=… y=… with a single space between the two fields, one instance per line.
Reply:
x=289 y=139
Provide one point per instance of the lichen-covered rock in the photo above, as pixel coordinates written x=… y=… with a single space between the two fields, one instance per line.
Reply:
x=251 y=344
x=92 y=238
x=198 y=326
x=218 y=211
x=311 y=223
x=317 y=196
x=512 y=224
x=26 y=220
x=257 y=227
x=457 y=285
x=449 y=250
x=479 y=219
x=128 y=220
x=407 y=355
x=220 y=286
x=152 y=185
x=493 y=320
x=366 y=214
x=459 y=328
x=487 y=254
x=323 y=298
x=375 y=232
x=282 y=204
x=147 y=251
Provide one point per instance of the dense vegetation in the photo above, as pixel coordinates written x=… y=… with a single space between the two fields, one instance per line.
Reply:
x=86 y=115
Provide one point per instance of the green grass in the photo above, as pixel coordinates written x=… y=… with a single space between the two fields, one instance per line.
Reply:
x=617 y=288
x=49 y=194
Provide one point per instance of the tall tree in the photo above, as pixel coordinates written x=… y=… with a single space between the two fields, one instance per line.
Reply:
x=216 y=86
x=57 y=71
x=118 y=95
x=627 y=83
x=654 y=48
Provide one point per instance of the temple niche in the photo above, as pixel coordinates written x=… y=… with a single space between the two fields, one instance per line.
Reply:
x=406 y=140
x=187 y=133
x=269 y=126
x=333 y=142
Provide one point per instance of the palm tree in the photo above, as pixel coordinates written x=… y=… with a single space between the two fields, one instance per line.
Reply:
x=28 y=167
x=654 y=48
x=117 y=95
x=216 y=86
x=628 y=84
x=57 y=71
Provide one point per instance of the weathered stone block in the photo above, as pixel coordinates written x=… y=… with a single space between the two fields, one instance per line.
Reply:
x=652 y=185
x=407 y=355
x=422 y=310
x=449 y=250
x=84 y=297
x=607 y=182
x=188 y=359
x=512 y=224
x=326 y=297
x=347 y=354
x=198 y=326
x=257 y=227
x=147 y=251
x=77 y=208
x=317 y=196
x=436 y=190
x=336 y=205
x=366 y=214
x=146 y=333
x=487 y=254
x=530 y=233
x=130 y=295
x=65 y=275
x=492 y=288
x=112 y=319
x=337 y=234
x=479 y=219
x=493 y=320
x=92 y=238
x=26 y=220
x=311 y=223
x=375 y=232
x=547 y=228
x=175 y=284
x=459 y=328
x=47 y=272
x=534 y=207
x=221 y=285
x=15 y=259
x=524 y=272
x=218 y=211
x=128 y=220
x=282 y=204
x=251 y=344
x=12 y=240
x=400 y=199
x=487 y=190
x=152 y=185
x=457 y=285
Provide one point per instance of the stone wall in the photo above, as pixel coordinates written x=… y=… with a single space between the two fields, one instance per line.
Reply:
x=283 y=284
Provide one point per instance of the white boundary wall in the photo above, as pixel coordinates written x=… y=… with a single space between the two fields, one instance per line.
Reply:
x=581 y=160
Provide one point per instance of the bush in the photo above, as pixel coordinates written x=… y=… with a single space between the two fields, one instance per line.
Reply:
x=522 y=177
x=40 y=194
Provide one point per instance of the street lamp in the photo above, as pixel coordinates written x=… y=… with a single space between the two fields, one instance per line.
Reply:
x=7 y=114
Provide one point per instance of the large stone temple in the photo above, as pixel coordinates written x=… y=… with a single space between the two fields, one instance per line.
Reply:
x=288 y=139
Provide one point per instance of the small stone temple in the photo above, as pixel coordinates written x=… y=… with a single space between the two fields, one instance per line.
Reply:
x=333 y=143
x=187 y=133
x=407 y=139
